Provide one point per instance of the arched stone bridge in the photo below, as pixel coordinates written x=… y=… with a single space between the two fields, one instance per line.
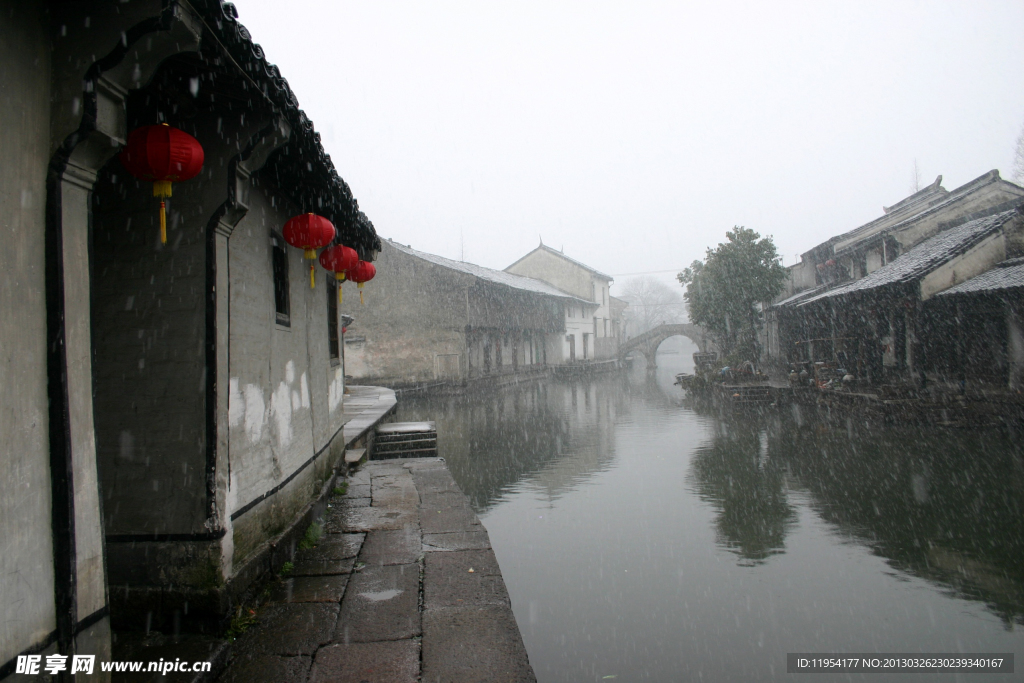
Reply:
x=648 y=342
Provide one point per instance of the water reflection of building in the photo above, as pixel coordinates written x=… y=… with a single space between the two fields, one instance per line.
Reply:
x=932 y=506
x=735 y=473
x=551 y=434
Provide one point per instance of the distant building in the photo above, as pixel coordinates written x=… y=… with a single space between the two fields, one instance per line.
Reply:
x=592 y=331
x=863 y=250
x=874 y=300
x=428 y=319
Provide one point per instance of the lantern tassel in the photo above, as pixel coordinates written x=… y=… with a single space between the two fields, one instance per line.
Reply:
x=312 y=281
x=163 y=222
x=361 y=302
x=162 y=189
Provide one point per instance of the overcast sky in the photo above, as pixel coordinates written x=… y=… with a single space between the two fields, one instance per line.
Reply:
x=633 y=135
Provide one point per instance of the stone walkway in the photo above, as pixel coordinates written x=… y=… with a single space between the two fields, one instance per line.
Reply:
x=403 y=586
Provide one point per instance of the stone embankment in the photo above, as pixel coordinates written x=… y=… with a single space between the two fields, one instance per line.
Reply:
x=402 y=585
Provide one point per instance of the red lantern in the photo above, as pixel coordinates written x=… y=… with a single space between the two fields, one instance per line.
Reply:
x=338 y=259
x=162 y=154
x=361 y=272
x=309 y=232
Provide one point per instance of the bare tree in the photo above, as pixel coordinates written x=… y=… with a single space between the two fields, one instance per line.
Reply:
x=651 y=302
x=1018 y=159
x=915 y=179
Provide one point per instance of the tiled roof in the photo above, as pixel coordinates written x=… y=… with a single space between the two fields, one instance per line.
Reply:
x=526 y=284
x=851 y=239
x=319 y=184
x=1006 y=275
x=923 y=258
x=797 y=297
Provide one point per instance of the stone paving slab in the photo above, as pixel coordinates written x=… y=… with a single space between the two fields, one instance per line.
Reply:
x=332 y=547
x=463 y=579
x=311 y=589
x=314 y=566
x=403 y=587
x=268 y=668
x=445 y=499
x=434 y=481
x=396 y=661
x=359 y=478
x=290 y=629
x=369 y=518
x=397 y=494
x=462 y=540
x=401 y=546
x=473 y=645
x=382 y=603
x=448 y=520
x=357 y=491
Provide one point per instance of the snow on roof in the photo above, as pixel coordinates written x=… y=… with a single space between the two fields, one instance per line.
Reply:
x=526 y=284
x=925 y=257
x=1006 y=275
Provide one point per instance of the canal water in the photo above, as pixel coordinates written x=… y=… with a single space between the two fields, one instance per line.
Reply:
x=645 y=538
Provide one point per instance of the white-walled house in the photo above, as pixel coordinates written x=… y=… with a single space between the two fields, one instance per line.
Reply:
x=592 y=329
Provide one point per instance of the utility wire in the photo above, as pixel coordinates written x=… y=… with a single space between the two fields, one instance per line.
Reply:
x=647 y=272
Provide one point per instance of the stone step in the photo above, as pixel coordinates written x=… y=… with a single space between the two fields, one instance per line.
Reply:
x=405 y=444
x=421 y=453
x=405 y=440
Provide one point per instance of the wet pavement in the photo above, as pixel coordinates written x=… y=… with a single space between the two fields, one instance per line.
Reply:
x=402 y=586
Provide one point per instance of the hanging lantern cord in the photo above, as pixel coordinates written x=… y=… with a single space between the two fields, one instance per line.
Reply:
x=311 y=255
x=162 y=189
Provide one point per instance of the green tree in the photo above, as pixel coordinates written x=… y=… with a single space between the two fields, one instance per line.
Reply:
x=723 y=291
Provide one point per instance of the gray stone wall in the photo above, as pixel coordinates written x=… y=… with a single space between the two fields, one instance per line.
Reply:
x=414 y=311
x=26 y=560
x=285 y=394
x=148 y=335
x=423 y=322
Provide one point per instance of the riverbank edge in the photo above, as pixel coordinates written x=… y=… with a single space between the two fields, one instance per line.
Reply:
x=974 y=408
x=402 y=585
x=503 y=379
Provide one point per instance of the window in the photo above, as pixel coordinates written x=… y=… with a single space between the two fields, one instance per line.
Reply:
x=280 y=264
x=333 y=347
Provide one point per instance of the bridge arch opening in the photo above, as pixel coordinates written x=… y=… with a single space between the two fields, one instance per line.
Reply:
x=648 y=343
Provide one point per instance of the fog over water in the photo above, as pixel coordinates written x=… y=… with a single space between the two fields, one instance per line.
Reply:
x=644 y=537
